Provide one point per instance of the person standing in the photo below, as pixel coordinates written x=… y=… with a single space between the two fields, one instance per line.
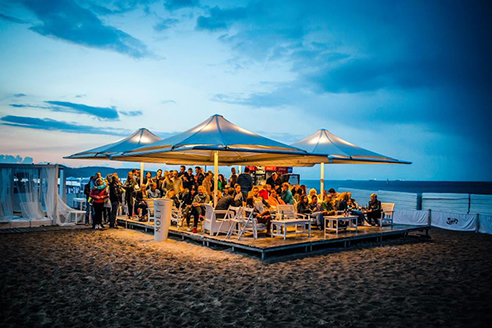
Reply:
x=246 y=182
x=89 y=209
x=199 y=176
x=130 y=187
x=115 y=194
x=233 y=177
x=177 y=182
x=99 y=196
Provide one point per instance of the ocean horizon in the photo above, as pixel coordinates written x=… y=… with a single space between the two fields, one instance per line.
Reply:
x=465 y=187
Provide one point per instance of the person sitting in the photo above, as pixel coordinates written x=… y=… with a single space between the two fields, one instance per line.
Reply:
x=198 y=209
x=264 y=217
x=287 y=194
x=274 y=200
x=225 y=201
x=187 y=205
x=327 y=205
x=141 y=204
x=333 y=193
x=316 y=211
x=238 y=196
x=171 y=194
x=341 y=204
x=265 y=191
x=153 y=192
x=374 y=210
x=312 y=192
x=255 y=193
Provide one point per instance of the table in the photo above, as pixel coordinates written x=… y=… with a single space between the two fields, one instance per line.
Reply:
x=331 y=219
x=78 y=203
x=279 y=227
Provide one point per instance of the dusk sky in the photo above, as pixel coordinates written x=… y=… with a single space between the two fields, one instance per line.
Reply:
x=408 y=79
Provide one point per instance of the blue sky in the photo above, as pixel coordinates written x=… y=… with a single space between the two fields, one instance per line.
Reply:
x=411 y=80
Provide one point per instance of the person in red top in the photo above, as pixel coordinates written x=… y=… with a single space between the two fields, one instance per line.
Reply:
x=98 y=196
x=265 y=191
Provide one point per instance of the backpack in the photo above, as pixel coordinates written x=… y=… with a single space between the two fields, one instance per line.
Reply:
x=87 y=189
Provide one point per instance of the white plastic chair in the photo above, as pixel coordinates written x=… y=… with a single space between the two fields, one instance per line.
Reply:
x=387 y=213
x=211 y=223
x=226 y=222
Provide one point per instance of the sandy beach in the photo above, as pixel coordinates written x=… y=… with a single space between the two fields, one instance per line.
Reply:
x=121 y=278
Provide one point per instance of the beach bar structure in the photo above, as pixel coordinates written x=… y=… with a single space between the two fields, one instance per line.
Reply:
x=216 y=141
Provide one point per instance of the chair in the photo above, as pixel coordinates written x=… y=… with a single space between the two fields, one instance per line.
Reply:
x=243 y=222
x=211 y=223
x=289 y=212
x=231 y=213
x=387 y=213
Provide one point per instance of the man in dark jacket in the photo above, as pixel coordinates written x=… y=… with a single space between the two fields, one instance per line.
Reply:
x=246 y=182
x=226 y=200
x=374 y=211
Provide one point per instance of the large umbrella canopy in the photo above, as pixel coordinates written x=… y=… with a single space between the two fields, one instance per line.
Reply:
x=336 y=150
x=137 y=139
x=216 y=136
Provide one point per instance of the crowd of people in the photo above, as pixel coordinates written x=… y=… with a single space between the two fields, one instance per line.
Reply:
x=191 y=188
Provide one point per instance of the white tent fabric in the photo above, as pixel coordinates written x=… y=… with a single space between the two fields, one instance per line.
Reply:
x=454 y=221
x=485 y=224
x=411 y=217
x=6 y=180
x=49 y=189
x=336 y=150
x=235 y=146
x=137 y=139
x=29 y=193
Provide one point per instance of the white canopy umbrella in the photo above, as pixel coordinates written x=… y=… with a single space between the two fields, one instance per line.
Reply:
x=137 y=139
x=335 y=150
x=215 y=141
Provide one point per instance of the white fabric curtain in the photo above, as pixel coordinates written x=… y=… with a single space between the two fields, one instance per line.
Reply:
x=49 y=188
x=27 y=184
x=411 y=217
x=56 y=208
x=6 y=182
x=485 y=224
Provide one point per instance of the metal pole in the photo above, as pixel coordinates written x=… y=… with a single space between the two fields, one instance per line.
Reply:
x=216 y=176
x=322 y=180
x=141 y=173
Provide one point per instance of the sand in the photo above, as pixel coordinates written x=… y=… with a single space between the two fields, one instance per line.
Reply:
x=121 y=278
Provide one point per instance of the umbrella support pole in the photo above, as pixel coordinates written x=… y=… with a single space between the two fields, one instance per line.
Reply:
x=216 y=176
x=141 y=173
x=322 y=187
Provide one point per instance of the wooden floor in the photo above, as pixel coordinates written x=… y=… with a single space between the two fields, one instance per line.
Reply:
x=294 y=243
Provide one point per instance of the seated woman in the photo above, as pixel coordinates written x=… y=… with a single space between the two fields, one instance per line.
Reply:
x=264 y=217
x=312 y=192
x=197 y=208
x=354 y=209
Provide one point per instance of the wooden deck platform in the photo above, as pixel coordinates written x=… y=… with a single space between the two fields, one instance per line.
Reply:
x=264 y=246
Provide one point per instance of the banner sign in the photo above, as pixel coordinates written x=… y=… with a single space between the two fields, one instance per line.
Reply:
x=453 y=221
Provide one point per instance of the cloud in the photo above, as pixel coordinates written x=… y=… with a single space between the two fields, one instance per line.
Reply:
x=101 y=113
x=169 y=101
x=19 y=95
x=165 y=24
x=180 y=4
x=131 y=113
x=67 y=20
x=54 y=125
x=15 y=159
x=12 y=19
x=221 y=19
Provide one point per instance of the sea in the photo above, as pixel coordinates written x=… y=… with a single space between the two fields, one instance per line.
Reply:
x=465 y=187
